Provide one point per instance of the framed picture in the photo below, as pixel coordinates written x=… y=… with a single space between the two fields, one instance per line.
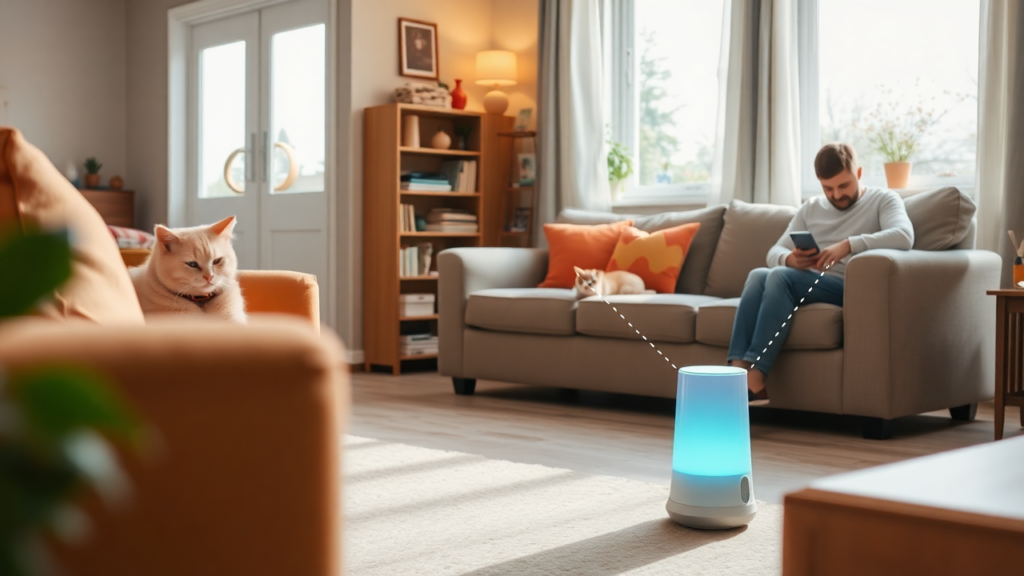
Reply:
x=520 y=220
x=527 y=164
x=523 y=120
x=417 y=49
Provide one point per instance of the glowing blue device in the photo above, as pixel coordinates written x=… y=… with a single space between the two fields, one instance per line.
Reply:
x=712 y=486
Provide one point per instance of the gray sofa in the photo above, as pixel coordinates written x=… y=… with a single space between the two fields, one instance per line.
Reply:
x=916 y=332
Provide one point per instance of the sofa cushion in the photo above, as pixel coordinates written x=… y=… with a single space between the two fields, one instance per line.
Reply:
x=528 y=310
x=694 y=275
x=815 y=326
x=569 y=245
x=941 y=218
x=656 y=258
x=749 y=231
x=34 y=194
x=660 y=317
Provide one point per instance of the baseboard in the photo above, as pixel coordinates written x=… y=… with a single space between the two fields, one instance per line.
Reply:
x=354 y=356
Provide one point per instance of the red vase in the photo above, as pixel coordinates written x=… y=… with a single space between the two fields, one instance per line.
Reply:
x=458 y=96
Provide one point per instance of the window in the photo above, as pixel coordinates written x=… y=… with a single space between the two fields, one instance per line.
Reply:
x=904 y=66
x=663 y=88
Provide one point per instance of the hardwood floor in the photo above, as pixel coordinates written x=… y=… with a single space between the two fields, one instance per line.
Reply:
x=631 y=436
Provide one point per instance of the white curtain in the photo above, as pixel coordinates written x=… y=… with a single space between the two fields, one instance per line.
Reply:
x=572 y=163
x=999 y=172
x=757 y=149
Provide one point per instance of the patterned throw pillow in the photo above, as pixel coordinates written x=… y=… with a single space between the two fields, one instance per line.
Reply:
x=656 y=258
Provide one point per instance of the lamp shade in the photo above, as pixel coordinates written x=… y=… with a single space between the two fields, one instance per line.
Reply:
x=712 y=485
x=496 y=68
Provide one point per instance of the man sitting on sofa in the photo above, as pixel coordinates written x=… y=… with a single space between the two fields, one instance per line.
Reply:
x=849 y=219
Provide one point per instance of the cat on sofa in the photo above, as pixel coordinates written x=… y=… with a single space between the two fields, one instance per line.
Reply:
x=192 y=271
x=601 y=283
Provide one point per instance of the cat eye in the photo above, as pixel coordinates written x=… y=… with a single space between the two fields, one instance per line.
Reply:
x=218 y=261
x=193 y=264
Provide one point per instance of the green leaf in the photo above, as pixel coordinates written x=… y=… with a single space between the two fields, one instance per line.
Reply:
x=32 y=266
x=58 y=401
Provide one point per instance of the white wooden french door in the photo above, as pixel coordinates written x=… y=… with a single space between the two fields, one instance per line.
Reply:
x=257 y=113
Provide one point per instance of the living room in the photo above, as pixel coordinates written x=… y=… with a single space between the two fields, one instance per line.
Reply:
x=530 y=286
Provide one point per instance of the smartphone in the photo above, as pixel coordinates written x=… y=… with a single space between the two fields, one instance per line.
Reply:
x=804 y=241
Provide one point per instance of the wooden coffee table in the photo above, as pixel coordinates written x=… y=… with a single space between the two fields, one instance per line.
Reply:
x=1009 y=353
x=958 y=512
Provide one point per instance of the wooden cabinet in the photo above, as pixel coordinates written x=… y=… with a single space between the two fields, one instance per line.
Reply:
x=384 y=161
x=117 y=207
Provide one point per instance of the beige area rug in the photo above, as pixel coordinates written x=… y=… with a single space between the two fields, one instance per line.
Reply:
x=411 y=510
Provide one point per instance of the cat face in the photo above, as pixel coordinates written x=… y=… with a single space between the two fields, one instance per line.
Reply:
x=586 y=280
x=197 y=260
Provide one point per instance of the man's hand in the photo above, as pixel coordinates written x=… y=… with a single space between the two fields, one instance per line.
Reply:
x=802 y=259
x=833 y=254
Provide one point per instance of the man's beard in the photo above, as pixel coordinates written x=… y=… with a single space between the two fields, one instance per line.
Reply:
x=852 y=201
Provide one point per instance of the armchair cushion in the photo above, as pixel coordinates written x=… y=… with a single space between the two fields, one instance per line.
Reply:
x=941 y=218
x=750 y=230
x=282 y=292
x=34 y=194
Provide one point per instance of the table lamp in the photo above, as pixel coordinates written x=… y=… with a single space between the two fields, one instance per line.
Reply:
x=712 y=486
x=496 y=68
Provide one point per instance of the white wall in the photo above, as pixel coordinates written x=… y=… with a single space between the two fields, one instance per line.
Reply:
x=63 y=64
x=514 y=25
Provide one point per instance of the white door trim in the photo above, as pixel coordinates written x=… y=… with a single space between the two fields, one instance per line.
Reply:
x=179 y=24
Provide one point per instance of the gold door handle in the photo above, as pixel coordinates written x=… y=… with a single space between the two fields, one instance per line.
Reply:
x=293 y=167
x=227 y=172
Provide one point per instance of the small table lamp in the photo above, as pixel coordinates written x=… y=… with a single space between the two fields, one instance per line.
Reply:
x=711 y=474
x=496 y=68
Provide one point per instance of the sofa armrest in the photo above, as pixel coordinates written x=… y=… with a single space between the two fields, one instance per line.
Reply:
x=467 y=270
x=247 y=423
x=281 y=291
x=919 y=332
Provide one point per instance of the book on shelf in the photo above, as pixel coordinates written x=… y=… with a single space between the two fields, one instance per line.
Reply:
x=425 y=337
x=426 y=181
x=461 y=175
x=459 y=228
x=415 y=260
x=408 y=218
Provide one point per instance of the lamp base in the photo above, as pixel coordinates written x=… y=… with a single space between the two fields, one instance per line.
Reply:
x=496 y=102
x=711 y=518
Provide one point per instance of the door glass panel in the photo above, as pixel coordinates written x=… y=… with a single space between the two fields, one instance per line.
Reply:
x=297 y=110
x=222 y=120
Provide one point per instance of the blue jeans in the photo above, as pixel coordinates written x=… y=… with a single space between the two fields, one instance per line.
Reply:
x=769 y=297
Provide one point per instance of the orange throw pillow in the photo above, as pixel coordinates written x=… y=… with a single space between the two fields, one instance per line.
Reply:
x=656 y=258
x=578 y=245
x=34 y=194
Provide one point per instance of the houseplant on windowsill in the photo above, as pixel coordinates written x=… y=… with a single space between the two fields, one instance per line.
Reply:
x=620 y=167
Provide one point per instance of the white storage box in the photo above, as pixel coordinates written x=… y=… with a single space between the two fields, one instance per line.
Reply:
x=416 y=305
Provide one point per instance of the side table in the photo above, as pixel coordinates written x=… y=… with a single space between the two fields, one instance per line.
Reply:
x=1009 y=353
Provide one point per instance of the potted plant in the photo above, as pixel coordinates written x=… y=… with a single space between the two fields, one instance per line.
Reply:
x=92 y=169
x=895 y=128
x=620 y=167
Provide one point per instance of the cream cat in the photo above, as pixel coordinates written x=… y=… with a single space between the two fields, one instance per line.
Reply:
x=192 y=271
x=599 y=282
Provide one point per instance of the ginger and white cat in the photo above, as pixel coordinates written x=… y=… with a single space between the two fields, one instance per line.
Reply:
x=601 y=283
x=192 y=271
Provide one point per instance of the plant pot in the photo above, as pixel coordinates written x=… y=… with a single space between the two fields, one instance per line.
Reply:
x=618 y=188
x=92 y=180
x=897 y=174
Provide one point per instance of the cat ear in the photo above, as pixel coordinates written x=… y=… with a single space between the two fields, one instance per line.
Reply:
x=165 y=236
x=579 y=271
x=224 y=227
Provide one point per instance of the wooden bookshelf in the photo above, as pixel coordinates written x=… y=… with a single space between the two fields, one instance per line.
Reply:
x=384 y=159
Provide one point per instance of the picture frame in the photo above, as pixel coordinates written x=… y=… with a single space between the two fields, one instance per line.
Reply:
x=417 y=49
x=526 y=165
x=523 y=120
x=520 y=220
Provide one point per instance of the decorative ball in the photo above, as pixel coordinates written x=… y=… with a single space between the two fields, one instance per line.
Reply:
x=116 y=182
x=441 y=140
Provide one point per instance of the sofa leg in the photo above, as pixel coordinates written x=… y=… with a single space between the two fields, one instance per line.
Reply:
x=876 y=428
x=965 y=413
x=464 y=386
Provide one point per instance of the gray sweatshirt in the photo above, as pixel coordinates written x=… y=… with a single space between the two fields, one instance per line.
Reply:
x=878 y=220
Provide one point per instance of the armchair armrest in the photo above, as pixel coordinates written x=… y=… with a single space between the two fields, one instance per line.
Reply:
x=919 y=332
x=281 y=291
x=246 y=473
x=467 y=270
